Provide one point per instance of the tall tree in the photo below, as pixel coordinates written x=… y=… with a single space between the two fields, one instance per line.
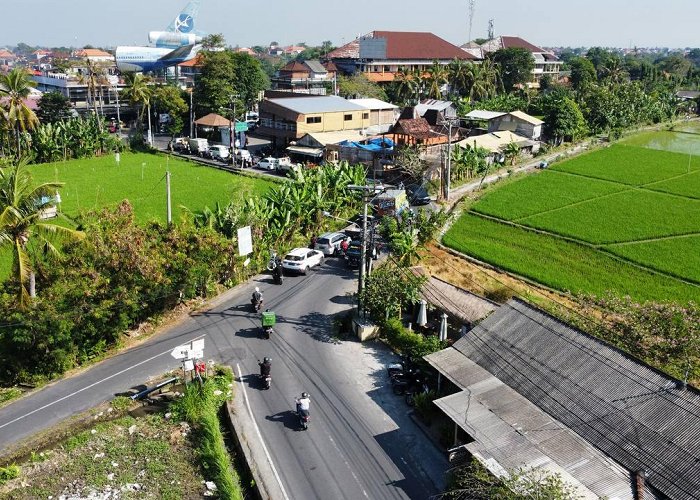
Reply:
x=15 y=87
x=21 y=205
x=138 y=91
x=516 y=66
x=53 y=107
x=582 y=72
x=564 y=120
x=359 y=86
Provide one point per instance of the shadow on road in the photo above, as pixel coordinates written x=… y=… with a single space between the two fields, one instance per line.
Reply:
x=250 y=333
x=253 y=381
x=288 y=418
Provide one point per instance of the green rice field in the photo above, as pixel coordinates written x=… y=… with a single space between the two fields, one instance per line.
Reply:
x=624 y=219
x=94 y=183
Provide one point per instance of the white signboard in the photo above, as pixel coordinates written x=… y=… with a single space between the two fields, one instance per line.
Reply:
x=189 y=365
x=245 y=241
x=193 y=350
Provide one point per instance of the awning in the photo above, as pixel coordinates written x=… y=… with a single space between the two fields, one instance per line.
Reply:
x=302 y=150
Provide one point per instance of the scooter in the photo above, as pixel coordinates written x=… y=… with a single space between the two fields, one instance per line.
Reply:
x=267 y=380
x=403 y=366
x=257 y=304
x=304 y=418
x=278 y=275
x=267 y=331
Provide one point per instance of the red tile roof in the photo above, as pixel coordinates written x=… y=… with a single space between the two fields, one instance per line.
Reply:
x=405 y=45
x=515 y=41
x=294 y=66
x=6 y=54
x=418 y=45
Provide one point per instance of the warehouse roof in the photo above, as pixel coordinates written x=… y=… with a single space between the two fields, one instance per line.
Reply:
x=320 y=104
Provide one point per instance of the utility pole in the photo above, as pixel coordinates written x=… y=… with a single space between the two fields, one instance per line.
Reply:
x=169 y=212
x=150 y=134
x=448 y=159
x=119 y=121
x=191 y=112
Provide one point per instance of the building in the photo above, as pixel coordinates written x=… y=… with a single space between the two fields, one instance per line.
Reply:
x=515 y=121
x=312 y=77
x=435 y=111
x=289 y=118
x=94 y=55
x=382 y=115
x=380 y=54
x=7 y=58
x=533 y=391
x=546 y=63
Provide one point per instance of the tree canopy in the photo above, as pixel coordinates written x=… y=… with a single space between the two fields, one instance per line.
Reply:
x=516 y=66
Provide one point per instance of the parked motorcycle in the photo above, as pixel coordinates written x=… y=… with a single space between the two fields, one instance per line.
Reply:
x=406 y=383
x=402 y=366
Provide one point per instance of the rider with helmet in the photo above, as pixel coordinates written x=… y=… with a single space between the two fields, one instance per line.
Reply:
x=303 y=402
x=265 y=367
x=257 y=295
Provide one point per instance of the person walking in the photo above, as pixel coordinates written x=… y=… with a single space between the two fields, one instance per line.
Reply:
x=312 y=243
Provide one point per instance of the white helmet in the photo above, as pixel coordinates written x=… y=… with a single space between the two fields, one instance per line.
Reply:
x=257 y=289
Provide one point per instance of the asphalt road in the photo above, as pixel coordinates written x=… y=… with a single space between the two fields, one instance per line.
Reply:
x=360 y=443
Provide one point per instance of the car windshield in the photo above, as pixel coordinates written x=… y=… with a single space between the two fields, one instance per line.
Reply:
x=294 y=258
x=323 y=241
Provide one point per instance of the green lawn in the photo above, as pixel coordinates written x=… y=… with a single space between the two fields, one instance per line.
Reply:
x=631 y=165
x=626 y=216
x=100 y=182
x=560 y=264
x=648 y=199
x=542 y=191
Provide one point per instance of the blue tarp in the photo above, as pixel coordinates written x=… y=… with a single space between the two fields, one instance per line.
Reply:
x=377 y=144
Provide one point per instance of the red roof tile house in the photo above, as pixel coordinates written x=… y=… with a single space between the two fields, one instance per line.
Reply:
x=305 y=76
x=546 y=63
x=7 y=58
x=380 y=54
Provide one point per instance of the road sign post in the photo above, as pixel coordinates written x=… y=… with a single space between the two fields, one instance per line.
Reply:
x=189 y=354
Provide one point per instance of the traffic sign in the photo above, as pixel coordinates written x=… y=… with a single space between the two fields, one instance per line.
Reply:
x=193 y=350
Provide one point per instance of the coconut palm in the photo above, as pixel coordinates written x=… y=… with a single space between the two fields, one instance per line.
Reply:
x=436 y=76
x=15 y=87
x=406 y=84
x=21 y=206
x=484 y=80
x=139 y=92
x=613 y=71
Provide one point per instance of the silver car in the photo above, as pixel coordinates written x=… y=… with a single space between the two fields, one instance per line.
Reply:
x=329 y=243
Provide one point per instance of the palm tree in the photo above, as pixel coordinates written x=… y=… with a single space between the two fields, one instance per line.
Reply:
x=461 y=76
x=613 y=71
x=406 y=84
x=484 y=80
x=21 y=206
x=139 y=92
x=16 y=86
x=437 y=75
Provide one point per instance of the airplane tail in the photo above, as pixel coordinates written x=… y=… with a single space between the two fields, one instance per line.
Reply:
x=185 y=20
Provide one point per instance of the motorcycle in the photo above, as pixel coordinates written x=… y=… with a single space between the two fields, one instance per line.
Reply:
x=266 y=380
x=406 y=383
x=403 y=366
x=410 y=397
x=257 y=304
x=267 y=331
x=304 y=418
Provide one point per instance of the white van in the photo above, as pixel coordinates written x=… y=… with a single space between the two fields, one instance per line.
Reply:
x=218 y=152
x=198 y=146
x=269 y=163
x=243 y=155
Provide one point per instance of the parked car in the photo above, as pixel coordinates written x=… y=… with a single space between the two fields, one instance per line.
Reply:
x=218 y=152
x=417 y=195
x=300 y=260
x=243 y=155
x=329 y=243
x=354 y=253
x=198 y=146
x=285 y=164
x=269 y=163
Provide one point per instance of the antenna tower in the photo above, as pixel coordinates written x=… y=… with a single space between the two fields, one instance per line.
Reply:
x=490 y=29
x=472 y=7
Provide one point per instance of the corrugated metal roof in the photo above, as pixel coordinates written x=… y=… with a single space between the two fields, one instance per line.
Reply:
x=320 y=104
x=635 y=414
x=316 y=66
x=374 y=104
x=514 y=433
x=482 y=114
x=495 y=141
x=526 y=118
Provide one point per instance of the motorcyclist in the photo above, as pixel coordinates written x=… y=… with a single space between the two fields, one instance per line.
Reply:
x=303 y=403
x=257 y=297
x=265 y=366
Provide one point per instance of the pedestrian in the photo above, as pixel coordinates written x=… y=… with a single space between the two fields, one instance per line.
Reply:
x=344 y=245
x=314 y=239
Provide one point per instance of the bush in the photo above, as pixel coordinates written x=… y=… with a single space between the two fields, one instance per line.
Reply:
x=8 y=473
x=407 y=342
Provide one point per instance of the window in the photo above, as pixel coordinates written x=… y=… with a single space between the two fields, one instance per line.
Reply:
x=313 y=119
x=348 y=118
x=365 y=116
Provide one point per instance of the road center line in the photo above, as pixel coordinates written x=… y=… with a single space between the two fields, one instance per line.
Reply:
x=91 y=385
x=257 y=431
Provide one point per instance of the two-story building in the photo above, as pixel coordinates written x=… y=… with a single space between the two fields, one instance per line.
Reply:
x=285 y=119
x=312 y=77
x=380 y=54
x=546 y=63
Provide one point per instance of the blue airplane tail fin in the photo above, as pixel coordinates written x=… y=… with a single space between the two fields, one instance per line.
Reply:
x=184 y=22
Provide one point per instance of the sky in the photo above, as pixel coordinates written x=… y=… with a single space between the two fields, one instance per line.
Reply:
x=611 y=23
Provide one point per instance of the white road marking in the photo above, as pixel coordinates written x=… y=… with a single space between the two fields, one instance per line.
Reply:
x=357 y=480
x=91 y=385
x=257 y=431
